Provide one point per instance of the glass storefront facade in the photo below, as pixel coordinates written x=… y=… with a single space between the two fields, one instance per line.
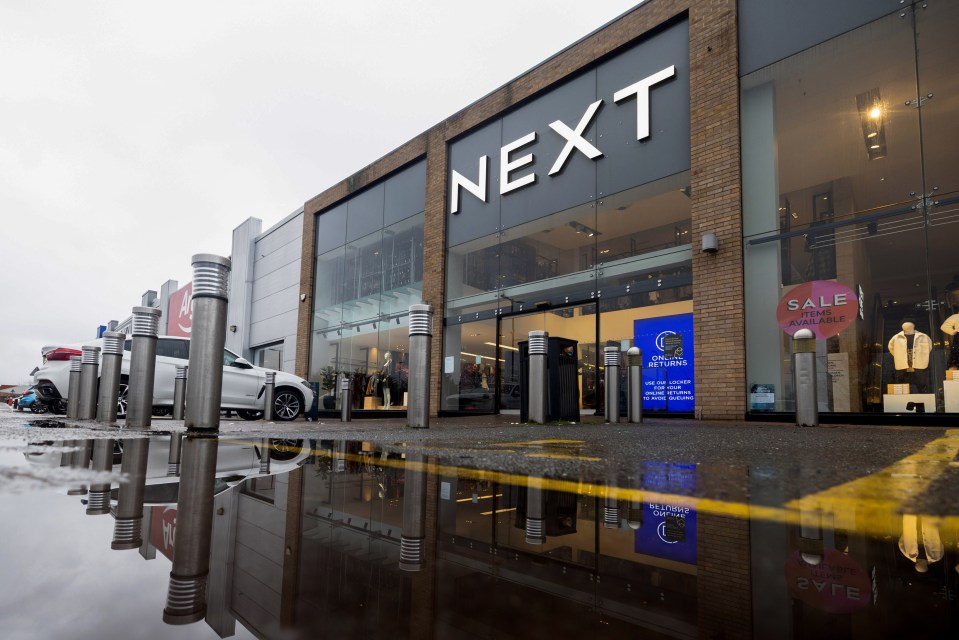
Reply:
x=583 y=251
x=368 y=271
x=851 y=216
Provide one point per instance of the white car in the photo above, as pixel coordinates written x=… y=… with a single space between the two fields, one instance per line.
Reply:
x=244 y=384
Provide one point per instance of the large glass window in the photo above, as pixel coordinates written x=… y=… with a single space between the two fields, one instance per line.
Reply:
x=849 y=204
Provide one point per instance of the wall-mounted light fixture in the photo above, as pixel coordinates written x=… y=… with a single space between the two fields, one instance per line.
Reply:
x=302 y=297
x=232 y=328
x=710 y=242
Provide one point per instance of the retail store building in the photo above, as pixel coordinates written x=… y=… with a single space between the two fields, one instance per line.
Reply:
x=697 y=178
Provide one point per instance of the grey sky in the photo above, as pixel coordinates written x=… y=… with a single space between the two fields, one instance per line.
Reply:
x=135 y=135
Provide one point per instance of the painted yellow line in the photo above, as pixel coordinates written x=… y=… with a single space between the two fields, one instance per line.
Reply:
x=563 y=456
x=533 y=443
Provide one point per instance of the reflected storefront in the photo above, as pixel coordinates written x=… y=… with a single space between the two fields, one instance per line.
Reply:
x=851 y=215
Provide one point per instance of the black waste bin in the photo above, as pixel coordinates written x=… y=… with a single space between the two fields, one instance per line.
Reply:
x=313 y=414
x=562 y=375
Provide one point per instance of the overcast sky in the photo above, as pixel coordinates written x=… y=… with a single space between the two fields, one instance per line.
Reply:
x=135 y=135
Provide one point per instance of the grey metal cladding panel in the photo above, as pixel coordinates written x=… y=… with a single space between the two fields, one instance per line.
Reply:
x=273 y=327
x=331 y=229
x=282 y=278
x=405 y=193
x=265 y=264
x=574 y=185
x=475 y=218
x=261 y=516
x=626 y=161
x=267 y=571
x=365 y=213
x=770 y=30
x=265 y=599
x=274 y=304
x=291 y=231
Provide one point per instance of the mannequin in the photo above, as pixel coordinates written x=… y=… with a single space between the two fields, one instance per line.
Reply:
x=951 y=327
x=387 y=375
x=910 y=351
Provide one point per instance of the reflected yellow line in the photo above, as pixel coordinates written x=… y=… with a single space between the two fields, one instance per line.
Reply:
x=871 y=504
x=563 y=456
x=534 y=443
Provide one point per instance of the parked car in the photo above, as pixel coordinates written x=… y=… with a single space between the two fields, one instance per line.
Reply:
x=30 y=401
x=244 y=384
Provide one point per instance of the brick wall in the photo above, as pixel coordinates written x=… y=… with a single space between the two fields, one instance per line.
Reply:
x=717 y=279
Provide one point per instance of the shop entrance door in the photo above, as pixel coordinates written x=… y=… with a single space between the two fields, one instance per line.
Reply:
x=574 y=323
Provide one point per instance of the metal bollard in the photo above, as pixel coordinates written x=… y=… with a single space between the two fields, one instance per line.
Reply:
x=80 y=459
x=611 y=358
x=98 y=500
x=127 y=530
x=538 y=394
x=412 y=552
x=143 y=353
x=535 y=522
x=73 y=388
x=611 y=509
x=179 y=392
x=211 y=278
x=265 y=448
x=346 y=411
x=804 y=360
x=634 y=404
x=421 y=340
x=268 y=396
x=89 y=372
x=186 y=596
x=110 y=376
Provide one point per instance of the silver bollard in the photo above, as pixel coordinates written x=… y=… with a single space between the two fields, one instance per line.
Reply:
x=98 y=500
x=112 y=356
x=186 y=595
x=211 y=279
x=346 y=411
x=173 y=460
x=804 y=360
x=73 y=388
x=634 y=403
x=611 y=358
x=268 y=396
x=179 y=392
x=611 y=509
x=143 y=353
x=535 y=522
x=538 y=393
x=265 y=447
x=421 y=340
x=89 y=372
x=128 y=527
x=412 y=551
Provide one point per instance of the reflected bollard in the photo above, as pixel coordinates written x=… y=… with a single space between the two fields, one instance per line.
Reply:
x=412 y=552
x=98 y=501
x=268 y=396
x=80 y=459
x=73 y=388
x=634 y=403
x=211 y=278
x=186 y=596
x=535 y=523
x=179 y=392
x=634 y=513
x=265 y=456
x=804 y=359
x=611 y=358
x=811 y=547
x=146 y=324
x=611 y=509
x=538 y=394
x=173 y=461
x=112 y=356
x=89 y=374
x=421 y=339
x=127 y=530
x=346 y=411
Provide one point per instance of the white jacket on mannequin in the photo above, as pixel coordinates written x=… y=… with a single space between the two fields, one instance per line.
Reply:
x=921 y=348
x=951 y=325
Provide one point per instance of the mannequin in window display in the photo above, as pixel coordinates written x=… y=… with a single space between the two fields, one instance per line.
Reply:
x=910 y=351
x=386 y=376
x=951 y=326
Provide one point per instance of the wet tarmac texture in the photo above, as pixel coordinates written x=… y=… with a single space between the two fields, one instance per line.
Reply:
x=478 y=527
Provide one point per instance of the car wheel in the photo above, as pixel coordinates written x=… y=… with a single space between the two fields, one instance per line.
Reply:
x=39 y=407
x=287 y=405
x=249 y=414
x=122 y=392
x=282 y=449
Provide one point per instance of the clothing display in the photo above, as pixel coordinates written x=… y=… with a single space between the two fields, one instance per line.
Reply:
x=951 y=328
x=910 y=350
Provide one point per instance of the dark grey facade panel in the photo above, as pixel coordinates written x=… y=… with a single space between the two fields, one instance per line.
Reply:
x=770 y=30
x=612 y=129
x=405 y=193
x=365 y=213
x=627 y=162
x=331 y=229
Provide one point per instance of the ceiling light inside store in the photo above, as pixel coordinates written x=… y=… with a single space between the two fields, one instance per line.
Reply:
x=503 y=346
x=871 y=121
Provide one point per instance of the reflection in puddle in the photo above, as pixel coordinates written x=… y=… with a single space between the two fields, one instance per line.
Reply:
x=343 y=539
